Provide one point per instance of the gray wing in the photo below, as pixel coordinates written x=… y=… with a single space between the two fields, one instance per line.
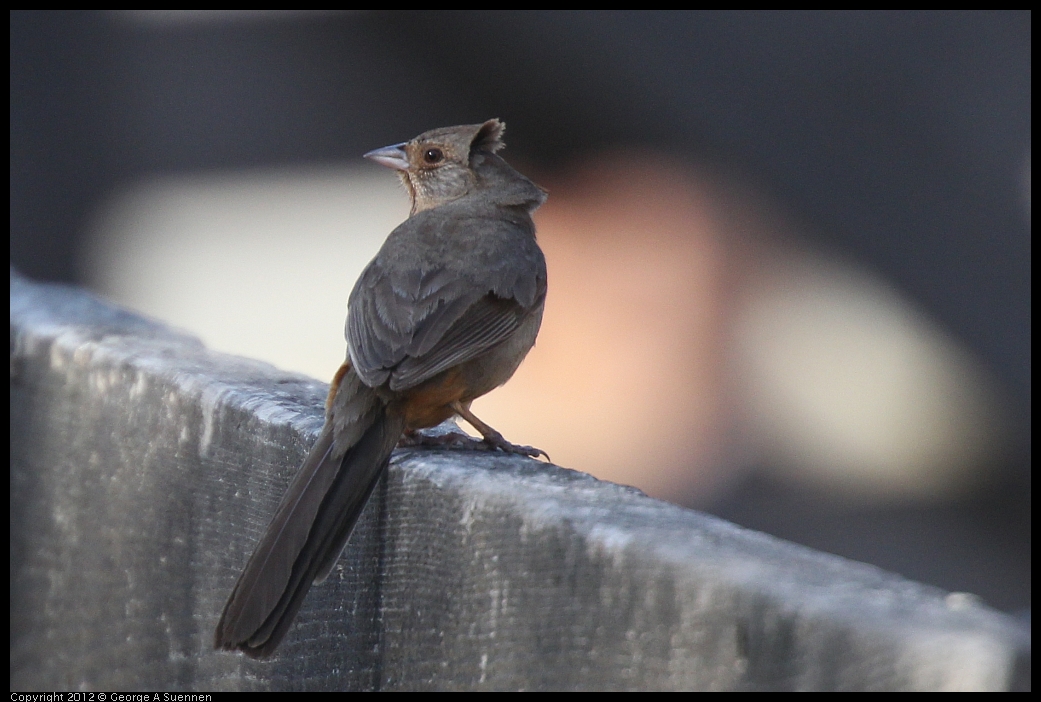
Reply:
x=484 y=324
x=418 y=310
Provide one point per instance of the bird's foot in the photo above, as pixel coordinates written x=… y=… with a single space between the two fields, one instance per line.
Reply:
x=457 y=440
x=495 y=440
x=444 y=439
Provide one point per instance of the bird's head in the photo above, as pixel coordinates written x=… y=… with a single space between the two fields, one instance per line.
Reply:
x=437 y=166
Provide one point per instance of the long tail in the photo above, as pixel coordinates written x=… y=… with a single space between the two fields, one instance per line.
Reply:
x=314 y=520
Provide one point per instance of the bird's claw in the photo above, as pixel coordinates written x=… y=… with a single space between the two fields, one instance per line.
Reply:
x=459 y=441
x=454 y=439
x=495 y=440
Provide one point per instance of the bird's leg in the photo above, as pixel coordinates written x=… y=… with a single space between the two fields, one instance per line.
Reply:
x=493 y=438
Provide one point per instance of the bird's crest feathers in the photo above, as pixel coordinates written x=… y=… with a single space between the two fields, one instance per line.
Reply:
x=489 y=137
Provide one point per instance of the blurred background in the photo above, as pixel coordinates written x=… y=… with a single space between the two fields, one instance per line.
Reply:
x=789 y=254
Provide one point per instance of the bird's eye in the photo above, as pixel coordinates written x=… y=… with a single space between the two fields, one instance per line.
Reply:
x=433 y=156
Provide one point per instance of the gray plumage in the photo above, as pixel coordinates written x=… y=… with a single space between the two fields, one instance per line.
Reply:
x=454 y=296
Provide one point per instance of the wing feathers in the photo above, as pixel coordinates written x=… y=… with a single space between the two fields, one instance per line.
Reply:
x=409 y=321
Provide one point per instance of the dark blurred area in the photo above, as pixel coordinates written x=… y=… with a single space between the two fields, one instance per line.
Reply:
x=901 y=139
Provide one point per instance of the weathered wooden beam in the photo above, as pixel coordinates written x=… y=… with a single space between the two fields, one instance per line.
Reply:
x=144 y=468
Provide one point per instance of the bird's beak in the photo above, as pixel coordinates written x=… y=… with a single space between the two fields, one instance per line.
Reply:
x=391 y=157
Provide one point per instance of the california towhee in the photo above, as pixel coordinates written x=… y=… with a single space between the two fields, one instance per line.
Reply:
x=445 y=313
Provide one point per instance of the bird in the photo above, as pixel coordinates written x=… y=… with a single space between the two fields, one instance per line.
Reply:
x=444 y=313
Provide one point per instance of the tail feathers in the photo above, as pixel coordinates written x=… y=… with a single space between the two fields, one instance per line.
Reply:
x=306 y=536
x=345 y=506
